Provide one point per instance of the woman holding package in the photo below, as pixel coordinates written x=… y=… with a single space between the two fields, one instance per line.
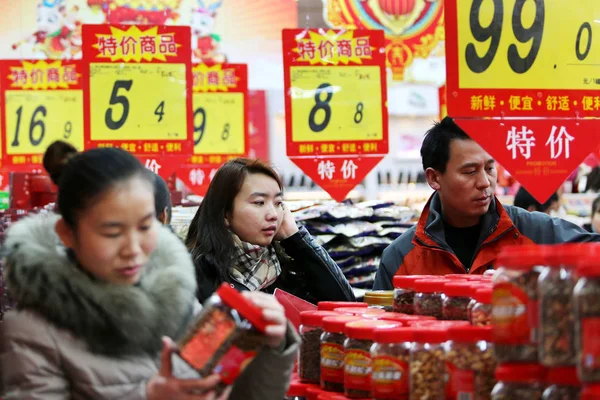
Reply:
x=244 y=234
x=102 y=287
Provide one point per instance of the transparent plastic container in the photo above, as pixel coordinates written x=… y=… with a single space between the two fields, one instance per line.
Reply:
x=519 y=381
x=309 y=361
x=455 y=300
x=380 y=299
x=428 y=374
x=515 y=308
x=391 y=357
x=562 y=383
x=481 y=312
x=471 y=362
x=357 y=356
x=428 y=297
x=332 y=352
x=404 y=293
x=587 y=319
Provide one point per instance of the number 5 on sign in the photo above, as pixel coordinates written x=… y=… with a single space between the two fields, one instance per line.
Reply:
x=336 y=103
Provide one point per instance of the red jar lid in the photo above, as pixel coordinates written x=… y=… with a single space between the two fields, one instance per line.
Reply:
x=429 y=285
x=524 y=257
x=365 y=329
x=297 y=389
x=245 y=307
x=405 y=281
x=359 y=311
x=332 y=305
x=315 y=318
x=524 y=373
x=335 y=396
x=430 y=334
x=404 y=318
x=567 y=254
x=338 y=324
x=469 y=334
x=457 y=277
x=443 y=324
x=590 y=392
x=313 y=392
x=563 y=376
x=484 y=295
x=395 y=334
x=459 y=289
x=588 y=266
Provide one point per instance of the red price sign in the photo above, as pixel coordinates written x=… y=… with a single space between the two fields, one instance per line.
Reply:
x=220 y=104
x=42 y=101
x=524 y=77
x=138 y=82
x=336 y=104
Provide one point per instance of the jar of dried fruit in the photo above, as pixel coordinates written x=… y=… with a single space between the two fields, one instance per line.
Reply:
x=428 y=297
x=519 y=381
x=332 y=305
x=455 y=300
x=404 y=293
x=332 y=352
x=557 y=313
x=309 y=362
x=587 y=319
x=515 y=303
x=562 y=383
x=427 y=363
x=471 y=362
x=380 y=299
x=391 y=357
x=357 y=356
x=481 y=312
x=226 y=336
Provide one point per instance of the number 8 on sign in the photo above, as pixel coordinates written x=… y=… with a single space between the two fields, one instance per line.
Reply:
x=321 y=105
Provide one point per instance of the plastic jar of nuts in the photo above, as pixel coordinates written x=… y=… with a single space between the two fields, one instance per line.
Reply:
x=562 y=383
x=471 y=362
x=391 y=357
x=309 y=362
x=455 y=300
x=357 y=356
x=557 y=313
x=380 y=299
x=587 y=319
x=428 y=297
x=404 y=293
x=519 y=381
x=515 y=303
x=427 y=363
x=296 y=391
x=332 y=305
x=332 y=352
x=481 y=312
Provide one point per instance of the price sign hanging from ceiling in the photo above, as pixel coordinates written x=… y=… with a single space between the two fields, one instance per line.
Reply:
x=138 y=92
x=509 y=61
x=336 y=104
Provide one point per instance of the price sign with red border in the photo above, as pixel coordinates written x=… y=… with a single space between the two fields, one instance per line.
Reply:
x=523 y=81
x=336 y=104
x=42 y=101
x=220 y=104
x=137 y=81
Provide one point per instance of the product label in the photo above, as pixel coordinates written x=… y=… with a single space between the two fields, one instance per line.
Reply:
x=332 y=362
x=357 y=370
x=233 y=363
x=390 y=378
x=513 y=314
x=461 y=383
x=590 y=345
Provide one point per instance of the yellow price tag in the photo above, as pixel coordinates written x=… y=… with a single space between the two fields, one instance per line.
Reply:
x=138 y=101
x=219 y=123
x=521 y=44
x=35 y=119
x=336 y=103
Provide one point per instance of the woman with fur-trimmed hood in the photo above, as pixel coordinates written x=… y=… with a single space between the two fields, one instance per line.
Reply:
x=103 y=288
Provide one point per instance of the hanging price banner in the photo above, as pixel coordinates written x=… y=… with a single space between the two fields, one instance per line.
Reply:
x=137 y=83
x=336 y=104
x=42 y=102
x=220 y=104
x=443 y=102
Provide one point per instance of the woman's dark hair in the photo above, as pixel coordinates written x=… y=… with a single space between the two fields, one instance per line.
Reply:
x=595 y=206
x=81 y=177
x=162 y=197
x=209 y=240
x=524 y=200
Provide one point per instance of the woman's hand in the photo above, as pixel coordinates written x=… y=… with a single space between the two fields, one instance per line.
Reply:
x=274 y=313
x=288 y=225
x=165 y=386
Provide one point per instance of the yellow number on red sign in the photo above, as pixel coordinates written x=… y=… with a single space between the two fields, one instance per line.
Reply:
x=336 y=103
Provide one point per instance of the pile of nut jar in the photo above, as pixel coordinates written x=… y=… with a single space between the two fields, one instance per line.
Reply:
x=530 y=332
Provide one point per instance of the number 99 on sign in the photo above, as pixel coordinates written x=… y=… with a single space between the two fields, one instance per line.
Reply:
x=36 y=119
x=336 y=103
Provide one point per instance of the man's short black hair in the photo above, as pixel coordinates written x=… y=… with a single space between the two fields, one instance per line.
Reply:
x=524 y=200
x=435 y=150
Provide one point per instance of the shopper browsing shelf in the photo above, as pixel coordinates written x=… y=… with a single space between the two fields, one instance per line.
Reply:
x=103 y=286
x=244 y=234
x=463 y=226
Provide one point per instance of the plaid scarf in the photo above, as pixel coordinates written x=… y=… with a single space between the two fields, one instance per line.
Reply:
x=255 y=267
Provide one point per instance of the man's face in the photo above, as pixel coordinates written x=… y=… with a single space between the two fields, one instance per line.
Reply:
x=467 y=187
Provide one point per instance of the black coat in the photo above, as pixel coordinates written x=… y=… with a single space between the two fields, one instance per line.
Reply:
x=307 y=272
